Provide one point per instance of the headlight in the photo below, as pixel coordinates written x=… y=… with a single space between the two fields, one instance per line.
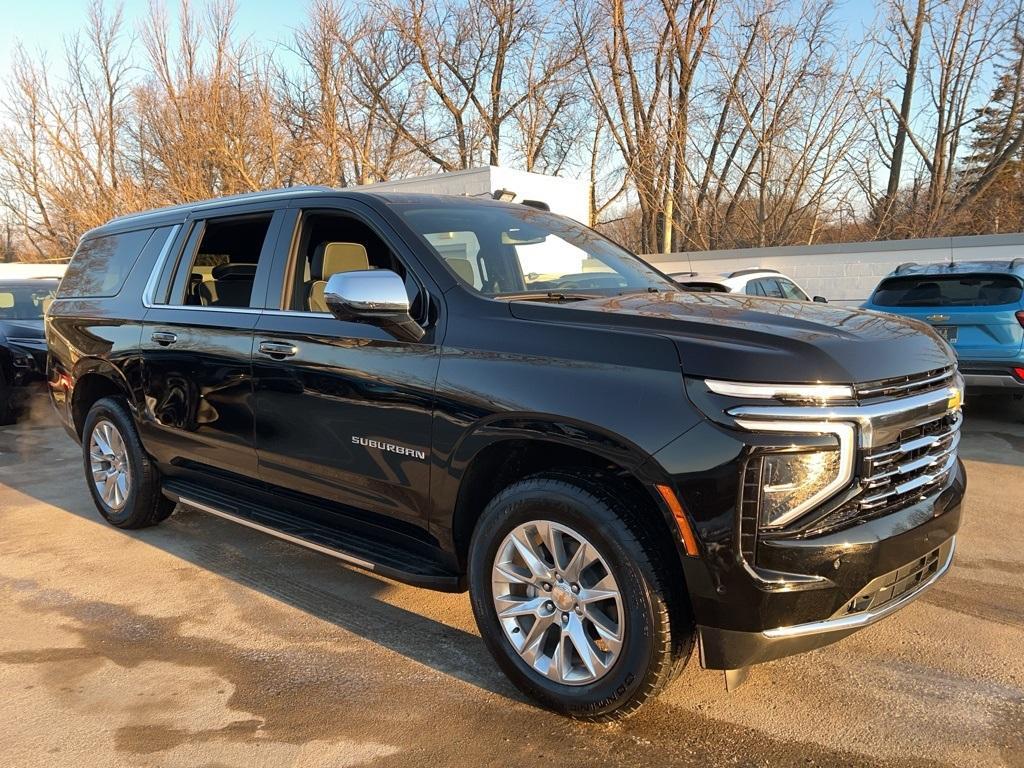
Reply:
x=793 y=482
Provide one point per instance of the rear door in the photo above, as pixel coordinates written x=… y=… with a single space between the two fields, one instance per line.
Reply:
x=196 y=346
x=344 y=409
x=975 y=313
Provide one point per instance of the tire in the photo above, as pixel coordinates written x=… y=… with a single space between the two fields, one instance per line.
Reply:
x=653 y=644
x=137 y=502
x=6 y=400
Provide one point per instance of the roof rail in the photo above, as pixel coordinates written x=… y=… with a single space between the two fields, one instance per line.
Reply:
x=1018 y=262
x=905 y=265
x=245 y=197
x=752 y=270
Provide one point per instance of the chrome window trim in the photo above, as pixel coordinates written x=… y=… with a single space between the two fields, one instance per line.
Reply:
x=201 y=308
x=161 y=260
x=856 y=621
x=844 y=433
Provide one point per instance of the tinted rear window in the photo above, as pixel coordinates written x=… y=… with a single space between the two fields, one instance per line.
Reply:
x=101 y=265
x=947 y=291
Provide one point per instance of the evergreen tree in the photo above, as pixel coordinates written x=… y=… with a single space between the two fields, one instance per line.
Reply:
x=993 y=173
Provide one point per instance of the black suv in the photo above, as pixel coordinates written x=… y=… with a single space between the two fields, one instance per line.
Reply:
x=469 y=394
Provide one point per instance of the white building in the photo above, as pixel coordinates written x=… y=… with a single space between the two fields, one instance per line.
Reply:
x=19 y=270
x=569 y=197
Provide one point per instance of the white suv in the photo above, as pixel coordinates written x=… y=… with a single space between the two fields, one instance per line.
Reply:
x=755 y=282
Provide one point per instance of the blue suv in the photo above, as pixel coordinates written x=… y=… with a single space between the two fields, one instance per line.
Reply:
x=976 y=306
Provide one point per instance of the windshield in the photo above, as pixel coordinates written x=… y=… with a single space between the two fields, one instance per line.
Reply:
x=948 y=291
x=505 y=250
x=25 y=302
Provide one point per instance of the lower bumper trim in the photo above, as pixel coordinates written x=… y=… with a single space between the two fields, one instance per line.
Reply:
x=992 y=381
x=866 y=618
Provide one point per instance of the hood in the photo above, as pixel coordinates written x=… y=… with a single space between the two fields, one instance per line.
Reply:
x=745 y=338
x=22 y=329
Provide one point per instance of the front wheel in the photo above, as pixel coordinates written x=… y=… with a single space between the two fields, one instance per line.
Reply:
x=568 y=591
x=124 y=484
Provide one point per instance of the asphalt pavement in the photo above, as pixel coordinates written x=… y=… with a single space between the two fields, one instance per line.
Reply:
x=203 y=643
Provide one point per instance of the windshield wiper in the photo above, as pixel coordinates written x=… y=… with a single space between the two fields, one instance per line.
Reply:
x=549 y=296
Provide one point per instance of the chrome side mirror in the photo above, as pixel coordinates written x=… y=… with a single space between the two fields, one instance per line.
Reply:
x=375 y=297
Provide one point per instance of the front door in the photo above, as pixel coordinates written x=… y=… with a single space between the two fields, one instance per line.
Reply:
x=343 y=409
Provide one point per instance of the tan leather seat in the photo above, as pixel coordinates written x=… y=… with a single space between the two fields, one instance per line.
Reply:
x=463 y=268
x=330 y=259
x=230 y=285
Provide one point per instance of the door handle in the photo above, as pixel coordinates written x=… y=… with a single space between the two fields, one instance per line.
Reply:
x=164 y=338
x=277 y=349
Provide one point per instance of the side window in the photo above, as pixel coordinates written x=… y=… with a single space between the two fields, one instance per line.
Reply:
x=330 y=242
x=754 y=288
x=461 y=251
x=789 y=289
x=101 y=265
x=218 y=267
x=769 y=287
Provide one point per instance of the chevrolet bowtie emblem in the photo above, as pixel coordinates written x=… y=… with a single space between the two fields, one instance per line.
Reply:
x=937 y=318
x=956 y=399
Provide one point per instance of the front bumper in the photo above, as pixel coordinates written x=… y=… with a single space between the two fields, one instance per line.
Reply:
x=28 y=361
x=878 y=568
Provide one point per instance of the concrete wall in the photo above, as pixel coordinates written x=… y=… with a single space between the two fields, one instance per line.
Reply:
x=844 y=272
x=20 y=270
x=568 y=197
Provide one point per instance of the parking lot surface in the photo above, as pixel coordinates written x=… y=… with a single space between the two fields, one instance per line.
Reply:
x=202 y=643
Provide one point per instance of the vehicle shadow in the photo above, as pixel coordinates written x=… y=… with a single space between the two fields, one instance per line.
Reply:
x=37 y=459
x=993 y=430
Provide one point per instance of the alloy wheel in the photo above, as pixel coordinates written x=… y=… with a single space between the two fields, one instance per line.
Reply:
x=558 y=602
x=108 y=457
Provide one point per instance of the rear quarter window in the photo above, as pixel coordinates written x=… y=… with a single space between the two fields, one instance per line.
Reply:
x=101 y=265
x=948 y=291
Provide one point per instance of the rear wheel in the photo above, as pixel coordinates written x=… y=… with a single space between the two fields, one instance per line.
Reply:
x=124 y=484
x=567 y=588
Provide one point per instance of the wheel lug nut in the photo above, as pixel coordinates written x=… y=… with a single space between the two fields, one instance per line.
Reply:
x=565 y=618
x=575 y=589
x=549 y=606
x=547 y=587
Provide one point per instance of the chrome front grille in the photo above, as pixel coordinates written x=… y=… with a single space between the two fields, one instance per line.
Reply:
x=904 y=386
x=913 y=466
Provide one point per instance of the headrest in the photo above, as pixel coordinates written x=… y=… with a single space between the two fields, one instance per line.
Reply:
x=331 y=258
x=463 y=268
x=998 y=294
x=233 y=272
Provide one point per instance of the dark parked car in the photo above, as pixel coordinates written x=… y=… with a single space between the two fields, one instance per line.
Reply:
x=22 y=343
x=616 y=470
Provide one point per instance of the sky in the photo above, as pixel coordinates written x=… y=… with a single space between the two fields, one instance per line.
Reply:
x=42 y=24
